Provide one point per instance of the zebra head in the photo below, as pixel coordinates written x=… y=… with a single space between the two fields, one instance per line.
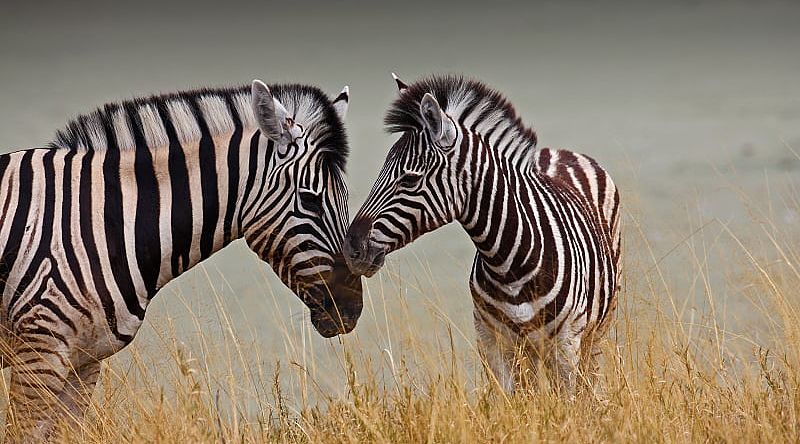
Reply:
x=297 y=218
x=419 y=187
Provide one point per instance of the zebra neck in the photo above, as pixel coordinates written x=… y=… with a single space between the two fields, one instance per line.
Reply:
x=205 y=190
x=512 y=144
x=498 y=216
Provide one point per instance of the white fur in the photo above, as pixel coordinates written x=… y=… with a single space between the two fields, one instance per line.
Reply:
x=96 y=133
x=184 y=121
x=216 y=113
x=122 y=129
x=154 y=133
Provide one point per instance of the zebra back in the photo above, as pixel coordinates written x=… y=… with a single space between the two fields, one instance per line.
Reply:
x=589 y=179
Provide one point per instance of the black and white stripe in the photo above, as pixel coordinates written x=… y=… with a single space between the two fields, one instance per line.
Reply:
x=131 y=196
x=545 y=222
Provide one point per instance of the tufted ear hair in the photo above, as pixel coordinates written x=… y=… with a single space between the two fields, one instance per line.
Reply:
x=438 y=122
x=270 y=114
x=401 y=85
x=341 y=102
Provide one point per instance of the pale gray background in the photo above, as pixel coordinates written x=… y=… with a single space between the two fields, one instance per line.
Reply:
x=680 y=101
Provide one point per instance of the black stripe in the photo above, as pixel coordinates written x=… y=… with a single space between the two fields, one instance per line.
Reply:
x=18 y=225
x=115 y=235
x=209 y=183
x=252 y=165
x=289 y=174
x=233 y=169
x=148 y=208
x=66 y=225
x=93 y=256
x=181 y=217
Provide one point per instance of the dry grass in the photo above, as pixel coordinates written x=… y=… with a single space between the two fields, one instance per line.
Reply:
x=678 y=366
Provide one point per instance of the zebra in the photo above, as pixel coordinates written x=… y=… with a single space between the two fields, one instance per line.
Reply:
x=545 y=223
x=134 y=194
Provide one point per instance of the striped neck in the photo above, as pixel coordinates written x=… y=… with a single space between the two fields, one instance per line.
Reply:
x=498 y=198
x=202 y=175
x=205 y=188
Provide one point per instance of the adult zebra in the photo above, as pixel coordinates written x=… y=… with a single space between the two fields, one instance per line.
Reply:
x=545 y=222
x=134 y=194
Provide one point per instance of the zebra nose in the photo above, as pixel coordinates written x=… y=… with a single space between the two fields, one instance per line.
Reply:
x=354 y=244
x=355 y=240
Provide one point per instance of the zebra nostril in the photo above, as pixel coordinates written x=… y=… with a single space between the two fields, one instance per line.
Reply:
x=355 y=247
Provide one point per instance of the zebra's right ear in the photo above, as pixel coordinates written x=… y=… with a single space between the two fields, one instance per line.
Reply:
x=401 y=85
x=270 y=114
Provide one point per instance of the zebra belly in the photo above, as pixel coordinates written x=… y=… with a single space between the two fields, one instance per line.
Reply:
x=546 y=305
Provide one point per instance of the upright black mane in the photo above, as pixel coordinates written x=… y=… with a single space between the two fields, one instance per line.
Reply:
x=459 y=97
x=117 y=125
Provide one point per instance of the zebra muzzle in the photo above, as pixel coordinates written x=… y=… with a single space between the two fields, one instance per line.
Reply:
x=364 y=256
x=336 y=306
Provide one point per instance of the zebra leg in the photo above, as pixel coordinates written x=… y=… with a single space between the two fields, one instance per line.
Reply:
x=589 y=367
x=78 y=391
x=38 y=376
x=493 y=354
x=567 y=359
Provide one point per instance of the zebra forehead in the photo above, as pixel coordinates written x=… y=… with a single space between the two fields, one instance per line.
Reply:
x=219 y=110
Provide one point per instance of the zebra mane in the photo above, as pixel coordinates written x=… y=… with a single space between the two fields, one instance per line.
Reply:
x=219 y=111
x=468 y=101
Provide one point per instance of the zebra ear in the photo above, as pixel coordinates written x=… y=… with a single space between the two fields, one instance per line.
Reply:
x=440 y=124
x=401 y=85
x=270 y=114
x=341 y=102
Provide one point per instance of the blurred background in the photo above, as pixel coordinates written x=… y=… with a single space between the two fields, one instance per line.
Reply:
x=690 y=105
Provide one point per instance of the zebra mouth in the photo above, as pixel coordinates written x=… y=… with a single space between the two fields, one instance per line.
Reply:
x=336 y=305
x=377 y=262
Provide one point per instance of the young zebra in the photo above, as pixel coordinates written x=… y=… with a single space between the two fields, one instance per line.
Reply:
x=545 y=222
x=129 y=197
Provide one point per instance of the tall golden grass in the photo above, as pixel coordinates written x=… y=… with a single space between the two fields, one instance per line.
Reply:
x=678 y=366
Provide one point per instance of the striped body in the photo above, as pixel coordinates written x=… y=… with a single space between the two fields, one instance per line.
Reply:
x=584 y=174
x=545 y=222
x=550 y=275
x=132 y=196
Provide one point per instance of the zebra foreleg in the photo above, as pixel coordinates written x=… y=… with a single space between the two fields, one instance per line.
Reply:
x=38 y=377
x=78 y=391
x=494 y=354
x=566 y=362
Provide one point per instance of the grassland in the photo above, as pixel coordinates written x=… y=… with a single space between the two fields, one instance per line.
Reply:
x=677 y=366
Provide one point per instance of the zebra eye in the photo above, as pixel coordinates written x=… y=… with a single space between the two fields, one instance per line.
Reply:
x=409 y=180
x=311 y=201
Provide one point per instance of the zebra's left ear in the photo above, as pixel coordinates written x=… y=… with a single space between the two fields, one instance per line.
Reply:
x=271 y=116
x=341 y=101
x=438 y=122
x=401 y=85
